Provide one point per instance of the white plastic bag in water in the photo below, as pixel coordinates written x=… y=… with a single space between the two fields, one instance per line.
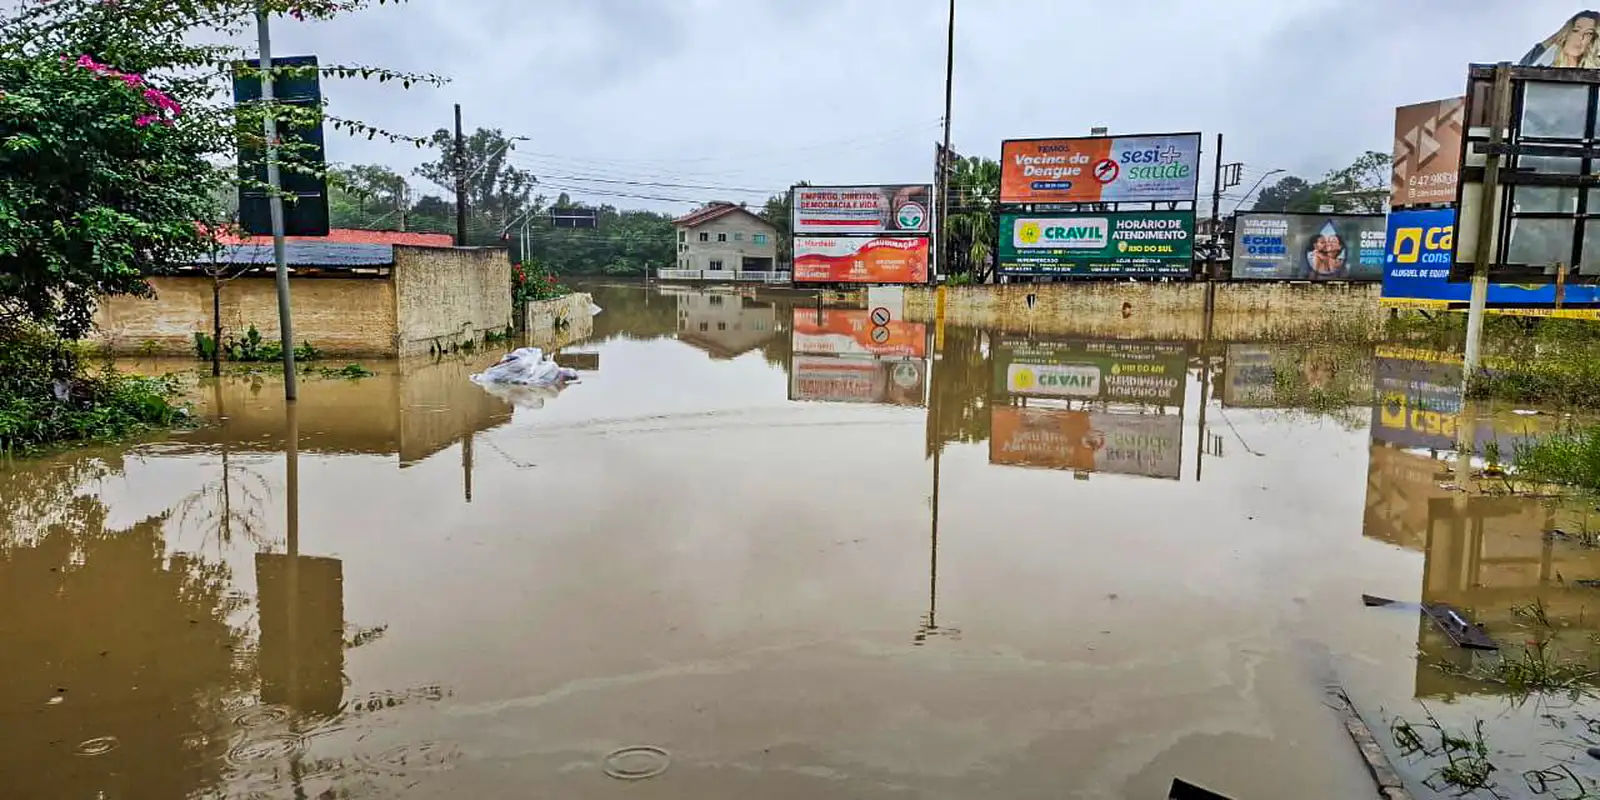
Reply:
x=526 y=366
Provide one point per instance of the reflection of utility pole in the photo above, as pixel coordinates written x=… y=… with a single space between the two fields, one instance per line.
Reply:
x=1205 y=391
x=291 y=597
x=466 y=464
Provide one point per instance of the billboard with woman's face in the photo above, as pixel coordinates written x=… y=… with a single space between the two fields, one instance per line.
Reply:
x=1576 y=44
x=1309 y=247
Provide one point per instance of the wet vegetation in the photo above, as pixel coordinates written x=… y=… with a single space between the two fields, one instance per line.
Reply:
x=1527 y=359
x=49 y=396
x=1568 y=459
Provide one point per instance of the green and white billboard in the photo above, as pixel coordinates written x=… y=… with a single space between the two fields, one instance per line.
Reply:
x=1102 y=243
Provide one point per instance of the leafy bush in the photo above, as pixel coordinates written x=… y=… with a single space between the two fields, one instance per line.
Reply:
x=532 y=281
x=48 y=397
x=1571 y=458
x=253 y=348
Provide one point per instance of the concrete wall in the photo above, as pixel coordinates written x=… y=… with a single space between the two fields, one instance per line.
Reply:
x=571 y=312
x=741 y=230
x=446 y=296
x=341 y=316
x=1159 y=311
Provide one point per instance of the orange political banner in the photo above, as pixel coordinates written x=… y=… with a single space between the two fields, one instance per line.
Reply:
x=852 y=331
x=1108 y=169
x=835 y=259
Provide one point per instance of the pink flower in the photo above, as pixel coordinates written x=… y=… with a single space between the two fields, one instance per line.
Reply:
x=145 y=120
x=133 y=81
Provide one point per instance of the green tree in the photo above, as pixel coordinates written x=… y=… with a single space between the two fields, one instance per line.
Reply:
x=779 y=211
x=969 y=233
x=1360 y=187
x=367 y=196
x=497 y=191
x=96 y=196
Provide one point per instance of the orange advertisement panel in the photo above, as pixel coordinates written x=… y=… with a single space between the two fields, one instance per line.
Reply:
x=1427 y=152
x=1104 y=169
x=1049 y=438
x=840 y=259
x=853 y=332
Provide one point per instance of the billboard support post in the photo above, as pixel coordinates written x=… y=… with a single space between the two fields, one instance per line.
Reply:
x=1499 y=120
x=942 y=264
x=1216 y=215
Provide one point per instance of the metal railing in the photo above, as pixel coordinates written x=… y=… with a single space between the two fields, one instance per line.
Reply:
x=722 y=275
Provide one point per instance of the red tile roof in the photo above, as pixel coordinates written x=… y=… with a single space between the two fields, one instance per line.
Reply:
x=711 y=212
x=353 y=236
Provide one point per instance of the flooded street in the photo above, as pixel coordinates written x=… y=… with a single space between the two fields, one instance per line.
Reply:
x=803 y=554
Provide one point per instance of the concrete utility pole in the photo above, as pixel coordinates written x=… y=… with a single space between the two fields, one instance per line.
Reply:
x=943 y=260
x=461 y=183
x=275 y=206
x=1216 y=215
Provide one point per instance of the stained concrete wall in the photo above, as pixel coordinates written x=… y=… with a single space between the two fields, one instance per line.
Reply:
x=1158 y=311
x=341 y=316
x=449 y=295
x=568 y=315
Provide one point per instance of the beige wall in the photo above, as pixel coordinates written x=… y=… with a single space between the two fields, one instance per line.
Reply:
x=698 y=254
x=341 y=316
x=448 y=296
x=572 y=310
x=1160 y=311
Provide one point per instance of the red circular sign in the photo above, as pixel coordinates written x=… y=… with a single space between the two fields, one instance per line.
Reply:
x=1106 y=170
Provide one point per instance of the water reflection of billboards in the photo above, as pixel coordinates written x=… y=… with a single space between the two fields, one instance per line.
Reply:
x=1129 y=372
x=1248 y=377
x=851 y=332
x=1054 y=438
x=858 y=380
x=301 y=655
x=1418 y=402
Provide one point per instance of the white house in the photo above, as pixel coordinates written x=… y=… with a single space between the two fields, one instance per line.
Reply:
x=723 y=241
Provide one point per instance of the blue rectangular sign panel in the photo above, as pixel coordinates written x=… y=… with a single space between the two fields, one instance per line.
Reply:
x=1418 y=266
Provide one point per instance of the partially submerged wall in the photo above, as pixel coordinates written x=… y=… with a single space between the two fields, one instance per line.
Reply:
x=568 y=315
x=1158 y=311
x=450 y=295
x=340 y=316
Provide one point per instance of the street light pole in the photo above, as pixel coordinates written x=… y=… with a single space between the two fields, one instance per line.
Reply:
x=275 y=204
x=944 y=156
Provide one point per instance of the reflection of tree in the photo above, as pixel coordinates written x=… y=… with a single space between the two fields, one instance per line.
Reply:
x=228 y=506
x=1330 y=380
x=959 y=404
x=135 y=645
x=779 y=349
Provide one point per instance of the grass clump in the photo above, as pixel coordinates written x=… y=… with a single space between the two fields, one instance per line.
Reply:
x=48 y=397
x=348 y=371
x=1570 y=458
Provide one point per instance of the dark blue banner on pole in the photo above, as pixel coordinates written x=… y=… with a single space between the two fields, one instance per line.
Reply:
x=1417 y=270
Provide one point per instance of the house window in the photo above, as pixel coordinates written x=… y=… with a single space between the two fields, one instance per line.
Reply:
x=738 y=237
x=716 y=299
x=759 y=238
x=722 y=326
x=705 y=326
x=722 y=237
x=705 y=237
x=683 y=248
x=716 y=264
x=683 y=236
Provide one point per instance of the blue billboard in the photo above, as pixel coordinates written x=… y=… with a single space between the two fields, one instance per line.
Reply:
x=1417 y=269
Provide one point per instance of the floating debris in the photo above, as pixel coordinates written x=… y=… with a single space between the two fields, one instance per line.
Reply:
x=1455 y=625
x=97 y=746
x=1183 y=790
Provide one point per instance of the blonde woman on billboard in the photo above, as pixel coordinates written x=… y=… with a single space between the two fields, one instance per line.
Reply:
x=1572 y=46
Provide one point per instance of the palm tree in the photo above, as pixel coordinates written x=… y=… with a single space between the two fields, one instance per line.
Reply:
x=970 y=228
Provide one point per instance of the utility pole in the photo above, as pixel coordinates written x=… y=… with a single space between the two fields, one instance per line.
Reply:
x=275 y=205
x=1216 y=215
x=461 y=183
x=942 y=259
x=1488 y=208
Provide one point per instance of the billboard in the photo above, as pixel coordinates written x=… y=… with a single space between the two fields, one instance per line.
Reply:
x=1249 y=379
x=1054 y=438
x=1100 y=169
x=1107 y=243
x=1427 y=152
x=1572 y=45
x=1416 y=272
x=841 y=259
x=1128 y=372
x=831 y=210
x=858 y=380
x=852 y=332
x=1314 y=247
x=296 y=81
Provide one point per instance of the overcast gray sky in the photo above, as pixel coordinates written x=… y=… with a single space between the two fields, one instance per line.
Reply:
x=749 y=96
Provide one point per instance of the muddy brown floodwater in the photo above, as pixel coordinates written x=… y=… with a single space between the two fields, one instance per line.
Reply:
x=804 y=555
